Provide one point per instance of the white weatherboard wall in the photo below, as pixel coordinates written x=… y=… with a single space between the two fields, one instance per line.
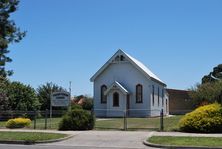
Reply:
x=155 y=108
x=116 y=111
x=129 y=77
x=125 y=73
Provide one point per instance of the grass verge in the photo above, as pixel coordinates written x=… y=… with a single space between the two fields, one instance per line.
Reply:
x=187 y=141
x=29 y=136
x=170 y=123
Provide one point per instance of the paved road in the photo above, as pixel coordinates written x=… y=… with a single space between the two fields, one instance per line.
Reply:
x=106 y=139
x=94 y=140
x=54 y=147
x=101 y=140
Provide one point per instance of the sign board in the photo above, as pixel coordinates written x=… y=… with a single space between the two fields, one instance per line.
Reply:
x=60 y=99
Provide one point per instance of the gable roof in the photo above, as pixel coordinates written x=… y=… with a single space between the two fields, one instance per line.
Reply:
x=140 y=66
x=118 y=86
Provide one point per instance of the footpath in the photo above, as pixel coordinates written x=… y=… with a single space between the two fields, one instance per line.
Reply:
x=113 y=139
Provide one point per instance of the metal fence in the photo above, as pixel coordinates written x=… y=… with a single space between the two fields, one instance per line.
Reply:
x=40 y=119
x=132 y=119
x=106 y=119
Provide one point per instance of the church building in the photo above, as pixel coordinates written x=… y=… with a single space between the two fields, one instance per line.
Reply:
x=123 y=85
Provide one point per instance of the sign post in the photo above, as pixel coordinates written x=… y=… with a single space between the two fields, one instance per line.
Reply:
x=59 y=99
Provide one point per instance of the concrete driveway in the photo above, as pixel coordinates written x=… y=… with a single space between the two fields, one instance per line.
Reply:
x=105 y=139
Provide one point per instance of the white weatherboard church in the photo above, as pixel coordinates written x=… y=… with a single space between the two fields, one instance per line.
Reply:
x=125 y=84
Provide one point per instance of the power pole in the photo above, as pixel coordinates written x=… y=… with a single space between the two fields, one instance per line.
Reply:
x=70 y=94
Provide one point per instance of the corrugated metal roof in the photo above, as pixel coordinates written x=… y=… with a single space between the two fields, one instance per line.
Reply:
x=134 y=61
x=144 y=68
x=117 y=85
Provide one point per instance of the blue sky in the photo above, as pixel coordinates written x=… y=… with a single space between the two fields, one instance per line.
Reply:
x=69 y=40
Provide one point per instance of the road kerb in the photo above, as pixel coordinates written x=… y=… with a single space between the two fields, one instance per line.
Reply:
x=27 y=142
x=145 y=142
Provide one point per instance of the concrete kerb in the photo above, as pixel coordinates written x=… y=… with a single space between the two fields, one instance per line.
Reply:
x=29 y=142
x=145 y=142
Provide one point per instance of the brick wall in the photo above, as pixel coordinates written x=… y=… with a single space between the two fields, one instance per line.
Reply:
x=179 y=101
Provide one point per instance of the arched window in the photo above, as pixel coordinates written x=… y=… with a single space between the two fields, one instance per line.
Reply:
x=158 y=96
x=139 y=93
x=166 y=105
x=103 y=96
x=162 y=97
x=115 y=99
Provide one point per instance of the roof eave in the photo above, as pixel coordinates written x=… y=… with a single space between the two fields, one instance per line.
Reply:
x=92 y=79
x=158 y=81
x=119 y=86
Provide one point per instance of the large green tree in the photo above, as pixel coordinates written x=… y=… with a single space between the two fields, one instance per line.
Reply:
x=207 y=93
x=9 y=33
x=22 y=97
x=210 y=90
x=213 y=76
x=44 y=93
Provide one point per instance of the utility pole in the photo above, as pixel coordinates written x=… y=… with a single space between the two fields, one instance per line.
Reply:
x=50 y=114
x=70 y=94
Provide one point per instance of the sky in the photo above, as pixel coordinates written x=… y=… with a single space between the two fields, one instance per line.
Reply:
x=69 y=40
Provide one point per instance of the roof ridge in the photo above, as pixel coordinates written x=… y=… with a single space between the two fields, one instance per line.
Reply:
x=144 y=69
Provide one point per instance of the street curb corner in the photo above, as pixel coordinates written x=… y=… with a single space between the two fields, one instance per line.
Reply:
x=145 y=142
x=27 y=142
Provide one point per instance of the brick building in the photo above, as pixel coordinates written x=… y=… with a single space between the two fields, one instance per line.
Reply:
x=180 y=102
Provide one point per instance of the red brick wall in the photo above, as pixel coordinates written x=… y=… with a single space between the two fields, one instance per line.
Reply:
x=179 y=101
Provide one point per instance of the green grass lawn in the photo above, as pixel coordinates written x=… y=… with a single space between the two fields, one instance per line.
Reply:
x=170 y=123
x=187 y=141
x=29 y=136
x=112 y=123
x=40 y=123
x=2 y=123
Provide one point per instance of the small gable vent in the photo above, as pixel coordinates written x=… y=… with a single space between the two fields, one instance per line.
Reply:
x=117 y=58
x=122 y=58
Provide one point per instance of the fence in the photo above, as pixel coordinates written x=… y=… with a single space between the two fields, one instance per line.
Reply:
x=132 y=119
x=111 y=119
x=40 y=119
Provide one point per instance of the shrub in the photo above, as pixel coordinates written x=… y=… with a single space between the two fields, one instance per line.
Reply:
x=77 y=119
x=87 y=104
x=76 y=106
x=22 y=97
x=205 y=119
x=18 y=123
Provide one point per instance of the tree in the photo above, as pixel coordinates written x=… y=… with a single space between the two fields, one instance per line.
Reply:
x=4 y=102
x=9 y=33
x=207 y=92
x=211 y=88
x=44 y=93
x=87 y=103
x=22 y=97
x=213 y=76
